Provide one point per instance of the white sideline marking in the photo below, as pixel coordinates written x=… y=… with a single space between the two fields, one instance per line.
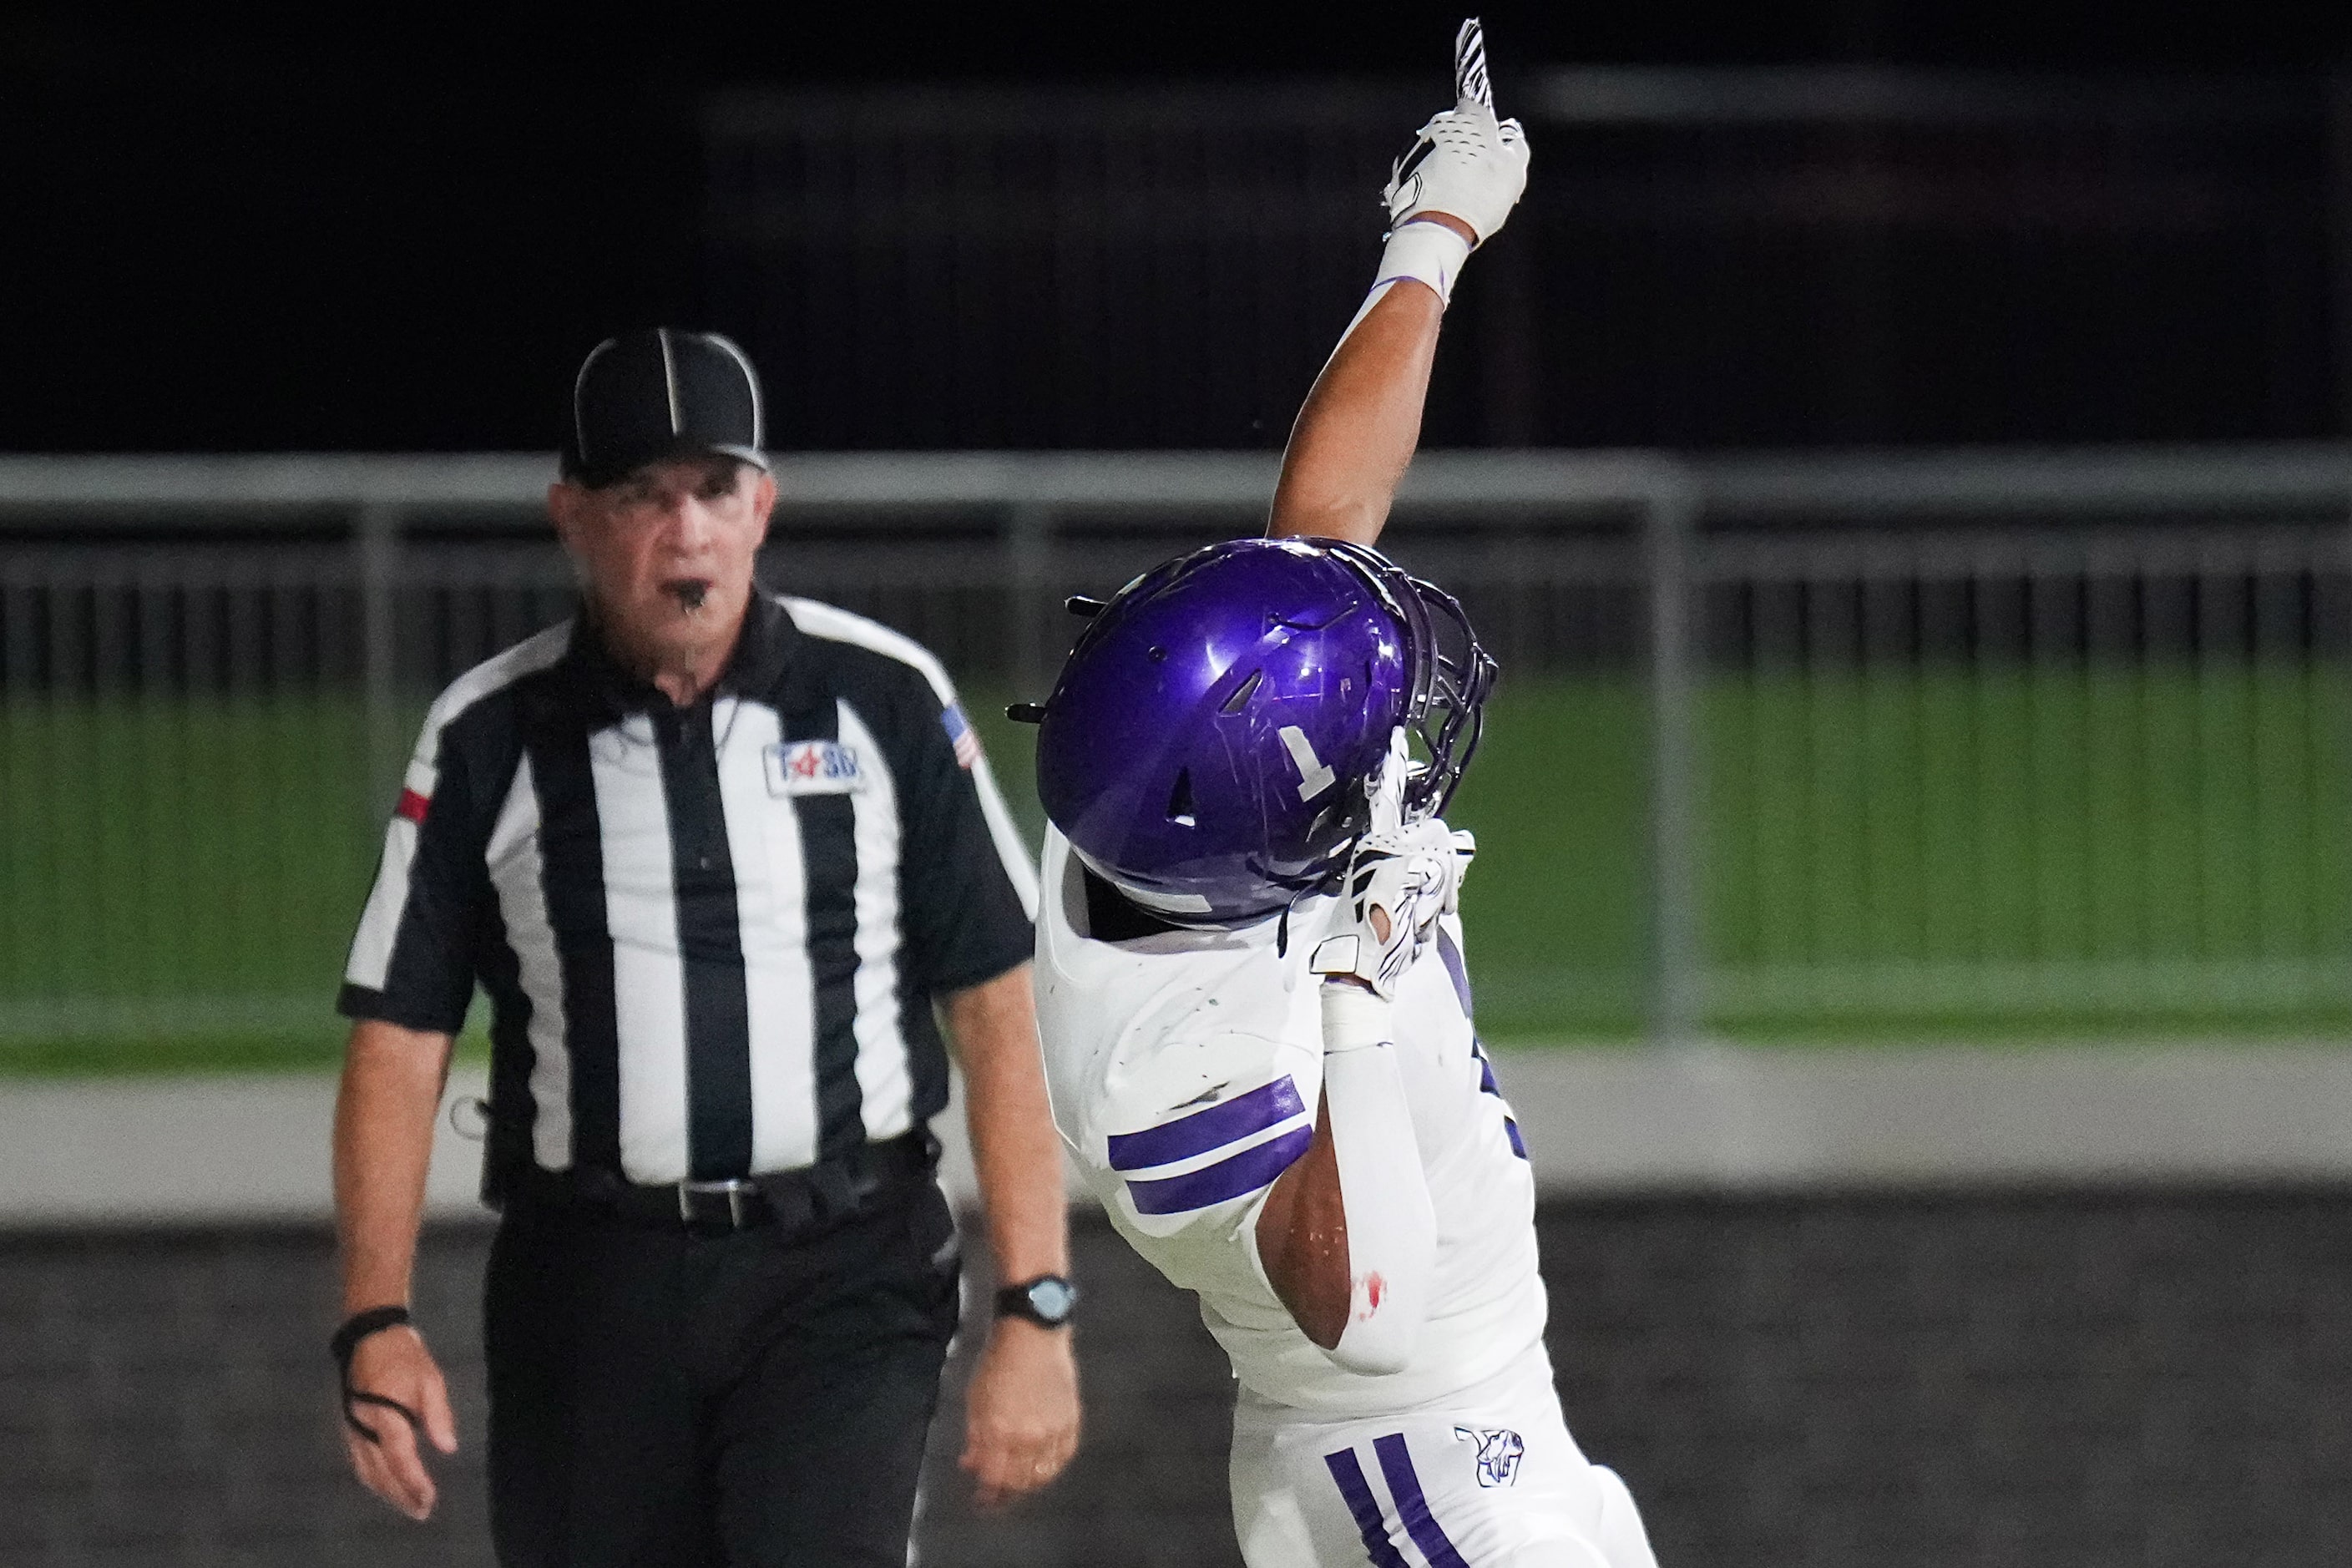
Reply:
x=125 y=1152
x=219 y=1147
x=1777 y=1119
x=236 y=1147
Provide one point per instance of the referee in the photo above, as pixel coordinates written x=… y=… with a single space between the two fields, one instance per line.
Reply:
x=715 y=855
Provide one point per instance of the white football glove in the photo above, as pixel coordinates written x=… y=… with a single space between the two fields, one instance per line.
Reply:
x=1386 y=790
x=1386 y=787
x=1411 y=875
x=1465 y=163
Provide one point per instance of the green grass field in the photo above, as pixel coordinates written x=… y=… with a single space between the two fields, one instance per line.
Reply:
x=2015 y=854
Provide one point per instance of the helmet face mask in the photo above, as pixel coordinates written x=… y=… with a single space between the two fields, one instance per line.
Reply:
x=1452 y=677
x=1211 y=746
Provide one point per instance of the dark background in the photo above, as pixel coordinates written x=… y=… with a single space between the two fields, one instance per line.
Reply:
x=2146 y=1379
x=400 y=231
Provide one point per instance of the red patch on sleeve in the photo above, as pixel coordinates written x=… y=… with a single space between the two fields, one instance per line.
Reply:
x=413 y=805
x=1374 y=1288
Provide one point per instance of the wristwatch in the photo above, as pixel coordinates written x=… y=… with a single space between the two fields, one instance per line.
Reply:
x=1047 y=1300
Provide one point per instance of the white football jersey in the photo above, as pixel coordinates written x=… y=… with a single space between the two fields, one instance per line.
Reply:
x=1185 y=1069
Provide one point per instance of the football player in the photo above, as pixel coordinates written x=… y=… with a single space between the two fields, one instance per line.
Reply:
x=1251 y=988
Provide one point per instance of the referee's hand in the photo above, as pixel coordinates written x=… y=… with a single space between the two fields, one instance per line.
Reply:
x=395 y=1364
x=1021 y=1422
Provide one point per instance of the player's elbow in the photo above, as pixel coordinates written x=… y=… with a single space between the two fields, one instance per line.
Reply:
x=1387 y=1308
x=1375 y=1352
x=1372 y=1355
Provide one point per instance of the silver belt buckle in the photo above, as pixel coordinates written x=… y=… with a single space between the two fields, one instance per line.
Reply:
x=733 y=1186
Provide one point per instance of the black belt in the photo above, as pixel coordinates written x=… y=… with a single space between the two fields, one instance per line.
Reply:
x=803 y=1200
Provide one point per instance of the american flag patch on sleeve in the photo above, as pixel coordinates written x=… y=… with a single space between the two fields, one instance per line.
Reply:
x=960 y=735
x=1215 y=1154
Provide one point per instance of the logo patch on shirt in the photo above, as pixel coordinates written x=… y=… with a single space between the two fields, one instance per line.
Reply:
x=813 y=767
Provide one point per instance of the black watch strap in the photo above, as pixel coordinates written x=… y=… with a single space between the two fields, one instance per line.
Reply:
x=1048 y=1301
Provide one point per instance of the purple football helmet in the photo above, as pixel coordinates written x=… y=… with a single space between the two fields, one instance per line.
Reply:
x=1209 y=747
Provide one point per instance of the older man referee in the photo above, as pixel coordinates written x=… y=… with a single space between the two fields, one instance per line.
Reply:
x=714 y=855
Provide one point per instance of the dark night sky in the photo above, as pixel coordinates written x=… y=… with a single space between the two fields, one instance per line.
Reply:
x=389 y=233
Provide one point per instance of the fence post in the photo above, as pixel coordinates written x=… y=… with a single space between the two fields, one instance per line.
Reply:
x=1675 y=1004
x=377 y=536
x=1028 y=547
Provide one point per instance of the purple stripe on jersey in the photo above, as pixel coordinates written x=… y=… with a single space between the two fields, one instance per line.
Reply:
x=1412 y=1509
x=1245 y=1173
x=1357 y=1492
x=1455 y=970
x=1212 y=1128
x=1511 y=1130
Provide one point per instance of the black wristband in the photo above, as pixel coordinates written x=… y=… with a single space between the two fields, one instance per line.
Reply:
x=346 y=1339
x=359 y=1326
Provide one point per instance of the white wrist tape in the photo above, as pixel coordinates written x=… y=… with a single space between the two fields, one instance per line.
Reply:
x=1353 y=1018
x=1392 y=1223
x=1428 y=252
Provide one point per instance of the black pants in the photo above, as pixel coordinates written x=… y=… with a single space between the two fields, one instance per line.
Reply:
x=665 y=1400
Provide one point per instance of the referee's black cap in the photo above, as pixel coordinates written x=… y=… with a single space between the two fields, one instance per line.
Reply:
x=662 y=393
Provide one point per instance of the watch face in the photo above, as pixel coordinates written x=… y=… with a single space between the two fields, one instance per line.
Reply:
x=1053 y=1299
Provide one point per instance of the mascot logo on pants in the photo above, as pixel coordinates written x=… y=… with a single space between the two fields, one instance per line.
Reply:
x=1499 y=1452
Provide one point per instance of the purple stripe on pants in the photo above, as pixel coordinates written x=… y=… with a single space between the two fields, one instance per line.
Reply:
x=1357 y=1493
x=1413 y=1507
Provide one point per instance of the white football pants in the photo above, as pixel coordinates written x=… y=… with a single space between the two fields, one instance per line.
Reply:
x=1487 y=1479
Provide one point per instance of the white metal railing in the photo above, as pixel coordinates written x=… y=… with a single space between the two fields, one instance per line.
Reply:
x=409 y=562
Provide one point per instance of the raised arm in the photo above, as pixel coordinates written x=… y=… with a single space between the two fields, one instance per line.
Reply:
x=1356 y=431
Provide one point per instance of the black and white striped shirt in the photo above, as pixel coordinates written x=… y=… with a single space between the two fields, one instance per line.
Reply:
x=709 y=935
